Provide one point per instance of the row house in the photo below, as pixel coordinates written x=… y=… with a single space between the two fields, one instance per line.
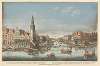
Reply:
x=92 y=36
x=15 y=38
x=82 y=37
x=7 y=37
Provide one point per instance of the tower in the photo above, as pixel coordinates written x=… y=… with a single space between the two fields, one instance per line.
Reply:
x=32 y=30
x=33 y=36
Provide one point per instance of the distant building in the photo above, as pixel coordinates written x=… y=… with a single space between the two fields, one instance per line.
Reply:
x=82 y=37
x=67 y=39
x=7 y=37
x=77 y=37
x=21 y=39
x=92 y=36
x=15 y=38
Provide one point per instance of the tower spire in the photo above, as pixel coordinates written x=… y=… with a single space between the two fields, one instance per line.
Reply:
x=32 y=24
x=33 y=33
x=32 y=30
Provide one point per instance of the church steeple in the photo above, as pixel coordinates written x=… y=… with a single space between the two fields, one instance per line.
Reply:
x=32 y=30
x=33 y=35
x=32 y=24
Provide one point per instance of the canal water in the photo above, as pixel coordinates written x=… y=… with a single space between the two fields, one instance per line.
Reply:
x=76 y=55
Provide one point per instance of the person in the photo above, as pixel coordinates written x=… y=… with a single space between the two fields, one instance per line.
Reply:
x=51 y=55
x=62 y=50
x=86 y=54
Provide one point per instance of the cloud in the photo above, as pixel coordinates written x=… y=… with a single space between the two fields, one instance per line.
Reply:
x=67 y=10
x=56 y=8
x=52 y=26
x=73 y=11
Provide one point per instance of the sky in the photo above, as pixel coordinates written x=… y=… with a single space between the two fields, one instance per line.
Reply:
x=51 y=18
